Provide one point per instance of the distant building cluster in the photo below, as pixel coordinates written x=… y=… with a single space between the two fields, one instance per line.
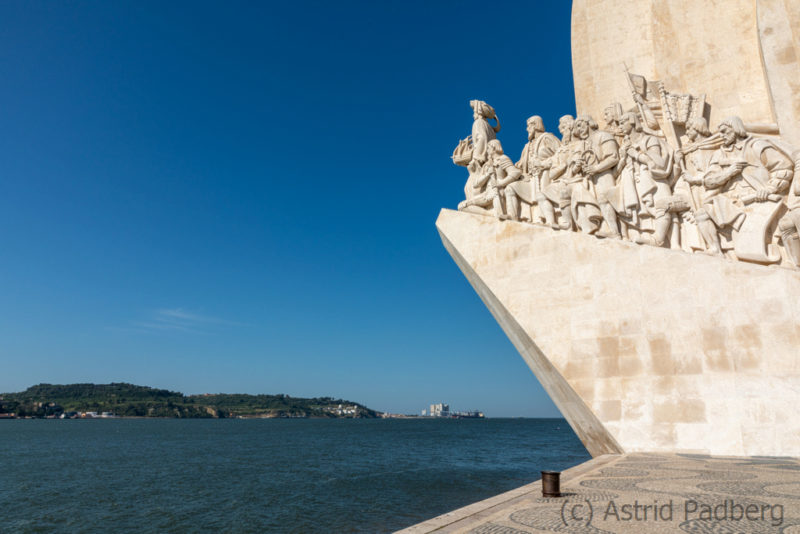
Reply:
x=64 y=415
x=440 y=410
x=343 y=410
x=443 y=410
x=87 y=415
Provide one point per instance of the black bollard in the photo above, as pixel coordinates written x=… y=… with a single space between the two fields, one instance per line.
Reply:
x=551 y=484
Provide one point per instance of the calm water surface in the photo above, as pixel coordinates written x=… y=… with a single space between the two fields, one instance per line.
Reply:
x=332 y=476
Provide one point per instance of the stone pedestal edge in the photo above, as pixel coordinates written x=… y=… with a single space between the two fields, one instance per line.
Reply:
x=586 y=425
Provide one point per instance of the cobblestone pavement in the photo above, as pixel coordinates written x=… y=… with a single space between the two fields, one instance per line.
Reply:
x=638 y=493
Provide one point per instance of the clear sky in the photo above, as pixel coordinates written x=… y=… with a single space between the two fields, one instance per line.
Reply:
x=240 y=197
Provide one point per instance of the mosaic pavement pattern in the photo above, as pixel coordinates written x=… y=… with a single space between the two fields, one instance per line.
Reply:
x=655 y=493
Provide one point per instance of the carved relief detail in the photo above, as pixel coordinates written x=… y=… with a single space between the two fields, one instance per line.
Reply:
x=654 y=175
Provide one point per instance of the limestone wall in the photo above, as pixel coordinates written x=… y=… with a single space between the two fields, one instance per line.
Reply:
x=643 y=348
x=779 y=34
x=712 y=47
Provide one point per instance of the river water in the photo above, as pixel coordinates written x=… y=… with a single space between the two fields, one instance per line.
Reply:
x=264 y=475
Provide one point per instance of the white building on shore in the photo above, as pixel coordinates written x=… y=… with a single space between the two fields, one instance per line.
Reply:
x=440 y=410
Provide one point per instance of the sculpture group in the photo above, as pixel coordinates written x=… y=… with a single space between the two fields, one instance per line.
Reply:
x=654 y=174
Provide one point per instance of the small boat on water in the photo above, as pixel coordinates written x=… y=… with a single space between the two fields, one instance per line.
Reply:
x=467 y=415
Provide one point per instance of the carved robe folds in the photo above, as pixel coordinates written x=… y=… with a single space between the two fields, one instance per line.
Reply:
x=533 y=164
x=726 y=192
x=745 y=185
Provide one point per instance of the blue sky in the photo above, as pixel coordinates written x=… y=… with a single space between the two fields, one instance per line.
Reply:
x=240 y=197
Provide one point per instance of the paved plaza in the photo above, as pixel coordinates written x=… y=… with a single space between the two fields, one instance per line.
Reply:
x=645 y=493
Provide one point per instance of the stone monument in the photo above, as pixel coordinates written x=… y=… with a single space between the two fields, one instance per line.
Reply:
x=648 y=270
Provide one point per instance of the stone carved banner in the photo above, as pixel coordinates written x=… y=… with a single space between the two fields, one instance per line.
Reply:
x=655 y=173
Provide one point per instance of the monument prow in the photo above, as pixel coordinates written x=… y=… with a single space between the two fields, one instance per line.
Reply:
x=643 y=349
x=586 y=425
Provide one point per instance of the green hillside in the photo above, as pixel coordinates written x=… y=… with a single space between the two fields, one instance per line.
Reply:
x=128 y=400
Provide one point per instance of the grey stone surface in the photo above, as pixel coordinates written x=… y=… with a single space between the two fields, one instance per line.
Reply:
x=609 y=495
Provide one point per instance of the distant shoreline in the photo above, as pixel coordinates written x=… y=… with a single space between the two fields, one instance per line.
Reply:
x=117 y=400
x=409 y=418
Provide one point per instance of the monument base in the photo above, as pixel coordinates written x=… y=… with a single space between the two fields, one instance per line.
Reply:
x=643 y=349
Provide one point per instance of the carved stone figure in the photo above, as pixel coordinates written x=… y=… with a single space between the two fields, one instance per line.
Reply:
x=482 y=131
x=595 y=157
x=789 y=224
x=635 y=185
x=555 y=191
x=733 y=193
x=533 y=163
x=693 y=157
x=497 y=173
x=611 y=116
x=472 y=153
x=645 y=170
x=692 y=161
x=745 y=183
